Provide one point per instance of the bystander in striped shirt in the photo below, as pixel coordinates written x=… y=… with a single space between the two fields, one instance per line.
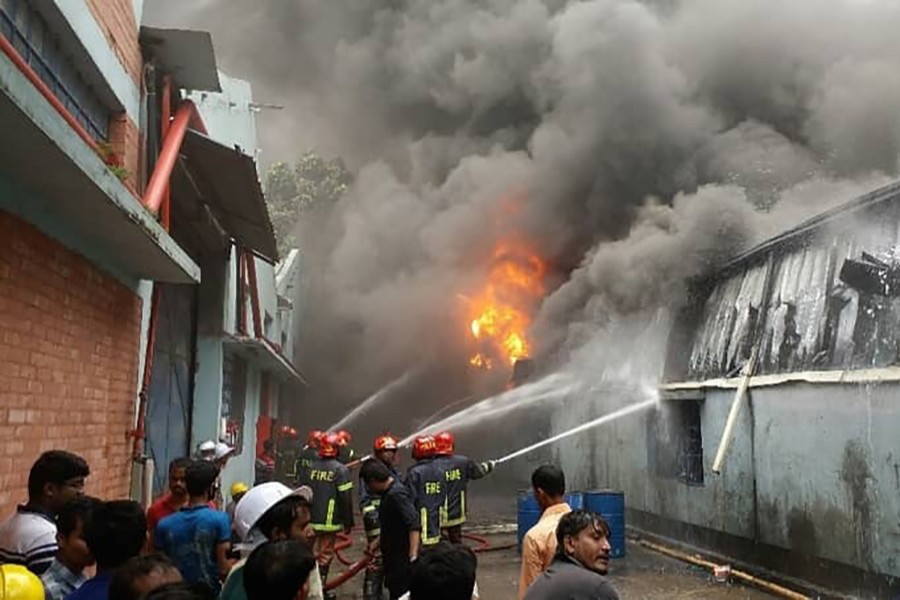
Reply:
x=28 y=538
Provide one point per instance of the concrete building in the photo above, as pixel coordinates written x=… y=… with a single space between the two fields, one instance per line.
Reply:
x=122 y=230
x=810 y=486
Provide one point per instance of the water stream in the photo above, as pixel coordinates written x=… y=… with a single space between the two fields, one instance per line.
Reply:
x=377 y=398
x=627 y=410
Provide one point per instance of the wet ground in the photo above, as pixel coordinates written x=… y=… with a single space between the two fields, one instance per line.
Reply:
x=642 y=574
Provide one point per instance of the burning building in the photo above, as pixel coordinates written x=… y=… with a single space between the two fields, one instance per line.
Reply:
x=807 y=323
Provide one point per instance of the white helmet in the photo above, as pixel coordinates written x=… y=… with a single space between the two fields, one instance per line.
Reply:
x=222 y=450
x=260 y=499
x=206 y=447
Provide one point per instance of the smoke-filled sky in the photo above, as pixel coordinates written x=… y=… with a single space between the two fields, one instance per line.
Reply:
x=630 y=144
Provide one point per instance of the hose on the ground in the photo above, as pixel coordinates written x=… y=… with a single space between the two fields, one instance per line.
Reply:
x=348 y=574
x=344 y=542
x=745 y=577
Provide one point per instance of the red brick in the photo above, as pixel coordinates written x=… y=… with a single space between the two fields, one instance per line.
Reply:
x=68 y=361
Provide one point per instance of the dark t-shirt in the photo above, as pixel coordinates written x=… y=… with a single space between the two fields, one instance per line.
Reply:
x=565 y=578
x=397 y=513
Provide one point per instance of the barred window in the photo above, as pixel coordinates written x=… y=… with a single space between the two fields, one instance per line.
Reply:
x=31 y=36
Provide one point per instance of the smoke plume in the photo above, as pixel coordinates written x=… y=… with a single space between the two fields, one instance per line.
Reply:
x=630 y=144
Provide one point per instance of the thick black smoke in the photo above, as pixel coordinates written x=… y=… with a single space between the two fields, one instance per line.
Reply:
x=636 y=143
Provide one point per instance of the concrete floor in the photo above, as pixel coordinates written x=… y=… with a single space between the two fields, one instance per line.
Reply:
x=642 y=574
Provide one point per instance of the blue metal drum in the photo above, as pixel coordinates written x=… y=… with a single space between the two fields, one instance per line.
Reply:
x=611 y=506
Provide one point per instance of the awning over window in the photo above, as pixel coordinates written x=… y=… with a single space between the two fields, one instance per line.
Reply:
x=187 y=55
x=227 y=181
x=264 y=355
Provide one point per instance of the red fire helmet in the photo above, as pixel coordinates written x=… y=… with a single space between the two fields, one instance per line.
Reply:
x=312 y=440
x=328 y=446
x=344 y=437
x=444 y=443
x=423 y=447
x=385 y=442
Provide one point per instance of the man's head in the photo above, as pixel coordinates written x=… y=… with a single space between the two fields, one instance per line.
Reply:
x=385 y=449
x=116 y=532
x=278 y=571
x=199 y=478
x=584 y=536
x=180 y=591
x=71 y=521
x=376 y=476
x=141 y=575
x=549 y=484
x=206 y=450
x=56 y=477
x=238 y=490
x=445 y=572
x=177 y=469
x=289 y=519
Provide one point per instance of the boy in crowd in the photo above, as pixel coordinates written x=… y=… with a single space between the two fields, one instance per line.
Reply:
x=141 y=575
x=197 y=538
x=116 y=532
x=445 y=572
x=66 y=572
x=29 y=536
x=279 y=571
x=272 y=512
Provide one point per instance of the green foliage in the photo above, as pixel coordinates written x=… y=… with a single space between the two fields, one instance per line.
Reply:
x=313 y=183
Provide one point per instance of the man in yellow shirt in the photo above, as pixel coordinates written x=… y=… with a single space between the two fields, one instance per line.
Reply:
x=539 y=544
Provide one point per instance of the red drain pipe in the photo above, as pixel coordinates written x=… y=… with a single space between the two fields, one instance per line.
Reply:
x=155 y=193
x=165 y=117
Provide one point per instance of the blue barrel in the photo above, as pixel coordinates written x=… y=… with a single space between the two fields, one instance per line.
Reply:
x=528 y=512
x=611 y=506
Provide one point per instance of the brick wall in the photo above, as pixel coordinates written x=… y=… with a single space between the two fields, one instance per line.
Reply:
x=124 y=138
x=69 y=337
x=116 y=20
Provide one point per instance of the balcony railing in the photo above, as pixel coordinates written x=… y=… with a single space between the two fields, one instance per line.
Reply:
x=29 y=33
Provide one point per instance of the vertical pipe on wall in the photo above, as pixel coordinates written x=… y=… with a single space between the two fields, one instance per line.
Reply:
x=165 y=117
x=254 y=296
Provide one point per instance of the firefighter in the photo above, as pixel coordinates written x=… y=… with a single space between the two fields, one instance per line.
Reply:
x=332 y=505
x=426 y=482
x=307 y=455
x=384 y=450
x=458 y=471
x=346 y=454
x=286 y=456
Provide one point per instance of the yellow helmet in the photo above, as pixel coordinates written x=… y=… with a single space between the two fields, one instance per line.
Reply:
x=238 y=487
x=18 y=583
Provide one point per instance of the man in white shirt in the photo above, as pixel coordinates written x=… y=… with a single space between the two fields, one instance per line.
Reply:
x=29 y=537
x=444 y=570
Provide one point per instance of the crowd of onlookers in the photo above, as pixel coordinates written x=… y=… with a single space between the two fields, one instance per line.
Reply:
x=64 y=545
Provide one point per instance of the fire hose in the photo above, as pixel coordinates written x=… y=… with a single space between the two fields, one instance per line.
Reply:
x=344 y=542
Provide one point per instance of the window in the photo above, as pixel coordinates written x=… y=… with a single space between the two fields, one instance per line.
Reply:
x=29 y=33
x=234 y=401
x=674 y=441
x=690 y=443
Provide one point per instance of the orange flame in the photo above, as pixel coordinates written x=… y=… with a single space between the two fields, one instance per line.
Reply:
x=501 y=314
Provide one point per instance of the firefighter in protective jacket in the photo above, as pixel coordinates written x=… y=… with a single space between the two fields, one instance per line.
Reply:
x=307 y=455
x=426 y=482
x=332 y=504
x=458 y=471
x=385 y=450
